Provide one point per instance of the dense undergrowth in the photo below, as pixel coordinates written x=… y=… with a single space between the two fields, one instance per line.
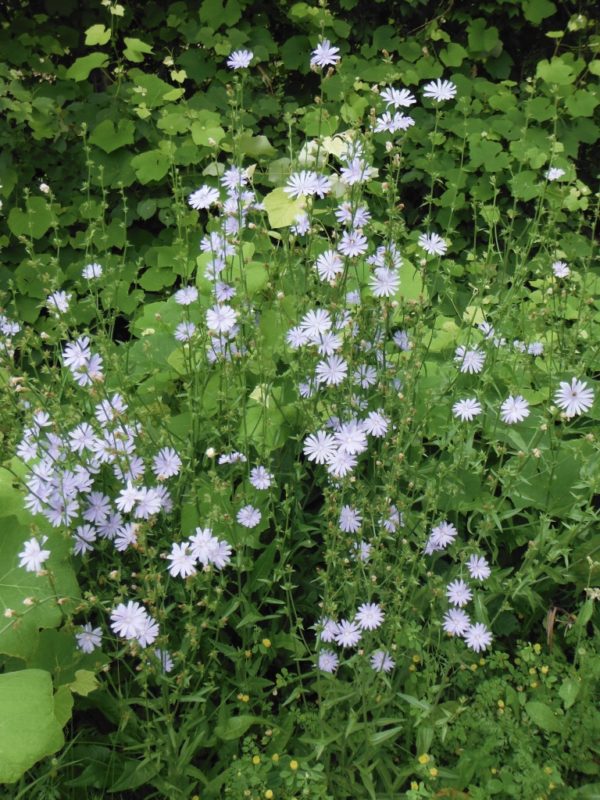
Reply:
x=299 y=333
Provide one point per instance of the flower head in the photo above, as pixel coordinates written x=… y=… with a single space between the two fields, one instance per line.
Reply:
x=478 y=637
x=325 y=55
x=469 y=360
x=560 y=269
x=348 y=633
x=458 y=593
x=574 y=398
x=32 y=556
x=204 y=197
x=328 y=661
x=382 y=661
x=88 y=639
x=514 y=409
x=439 y=90
x=467 y=409
x=248 y=516
x=478 y=567
x=240 y=59
x=369 y=616
x=433 y=244
x=456 y=622
x=399 y=98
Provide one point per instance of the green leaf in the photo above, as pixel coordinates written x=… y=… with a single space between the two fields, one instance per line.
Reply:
x=281 y=209
x=19 y=632
x=34 y=221
x=453 y=55
x=150 y=166
x=108 y=138
x=543 y=716
x=63 y=705
x=555 y=71
x=84 y=683
x=255 y=146
x=206 y=128
x=97 y=34
x=81 y=68
x=29 y=729
x=135 y=50
x=581 y=103
x=484 y=40
x=537 y=10
x=525 y=185
x=234 y=727
x=568 y=691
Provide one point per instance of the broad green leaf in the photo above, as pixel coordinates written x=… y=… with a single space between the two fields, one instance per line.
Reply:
x=453 y=55
x=97 y=34
x=543 y=716
x=483 y=40
x=255 y=146
x=207 y=129
x=150 y=166
x=537 y=10
x=555 y=71
x=109 y=138
x=281 y=209
x=29 y=729
x=34 y=221
x=568 y=691
x=135 y=50
x=525 y=185
x=81 y=68
x=19 y=630
x=581 y=103
x=236 y=726
x=84 y=683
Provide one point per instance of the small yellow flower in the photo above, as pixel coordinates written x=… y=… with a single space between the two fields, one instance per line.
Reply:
x=433 y=772
x=423 y=758
x=474 y=667
x=256 y=760
x=534 y=684
x=544 y=670
x=294 y=764
x=416 y=659
x=500 y=703
x=538 y=648
x=532 y=670
x=269 y=794
x=275 y=758
x=412 y=668
x=266 y=642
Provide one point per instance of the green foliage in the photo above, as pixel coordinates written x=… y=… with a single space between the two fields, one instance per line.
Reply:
x=107 y=128
x=29 y=728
